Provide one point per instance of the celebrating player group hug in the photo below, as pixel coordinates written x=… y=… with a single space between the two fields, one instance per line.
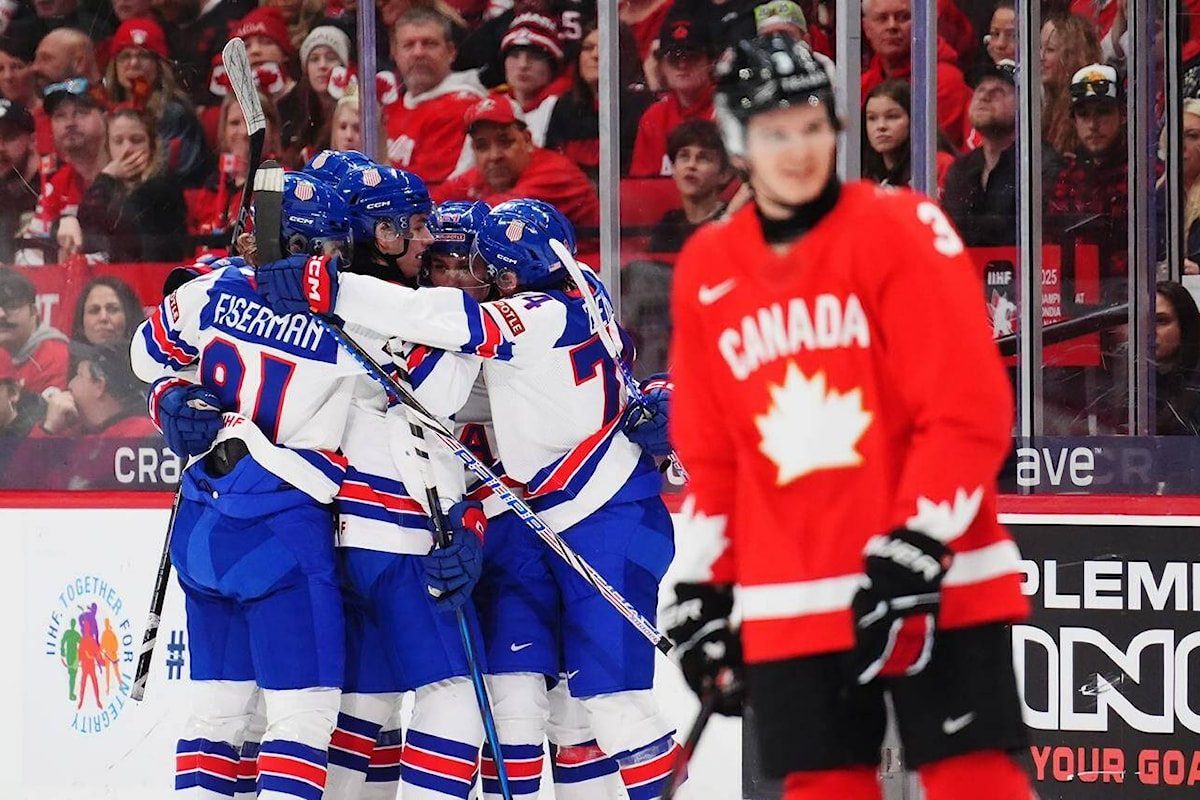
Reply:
x=417 y=462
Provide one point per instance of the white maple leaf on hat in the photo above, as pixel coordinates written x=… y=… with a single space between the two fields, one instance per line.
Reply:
x=810 y=427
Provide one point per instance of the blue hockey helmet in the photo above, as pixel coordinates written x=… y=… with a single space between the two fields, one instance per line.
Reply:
x=453 y=224
x=515 y=236
x=333 y=165
x=384 y=194
x=313 y=215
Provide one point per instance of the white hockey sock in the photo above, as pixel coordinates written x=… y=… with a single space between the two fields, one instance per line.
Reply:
x=383 y=773
x=521 y=707
x=206 y=756
x=442 y=745
x=584 y=772
x=353 y=742
x=293 y=758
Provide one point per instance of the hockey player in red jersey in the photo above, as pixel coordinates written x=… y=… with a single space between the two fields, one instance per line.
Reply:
x=843 y=412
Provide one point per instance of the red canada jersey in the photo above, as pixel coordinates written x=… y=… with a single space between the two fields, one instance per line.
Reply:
x=650 y=146
x=426 y=137
x=840 y=390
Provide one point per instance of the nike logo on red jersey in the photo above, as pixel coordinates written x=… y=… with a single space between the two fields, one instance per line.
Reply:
x=711 y=294
x=777 y=331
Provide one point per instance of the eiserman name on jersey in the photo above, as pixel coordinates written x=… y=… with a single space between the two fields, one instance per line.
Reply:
x=297 y=333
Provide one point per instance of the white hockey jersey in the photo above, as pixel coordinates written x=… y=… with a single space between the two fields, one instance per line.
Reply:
x=555 y=396
x=284 y=382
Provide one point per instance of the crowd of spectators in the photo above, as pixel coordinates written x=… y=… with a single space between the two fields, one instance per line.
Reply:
x=120 y=141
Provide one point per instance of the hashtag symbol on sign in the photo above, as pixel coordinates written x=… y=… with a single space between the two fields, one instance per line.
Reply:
x=175 y=650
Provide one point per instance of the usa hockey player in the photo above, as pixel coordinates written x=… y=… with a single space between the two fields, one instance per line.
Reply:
x=556 y=405
x=402 y=639
x=516 y=598
x=252 y=540
x=843 y=413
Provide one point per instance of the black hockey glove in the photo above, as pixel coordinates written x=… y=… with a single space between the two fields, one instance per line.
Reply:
x=895 y=611
x=709 y=651
x=451 y=572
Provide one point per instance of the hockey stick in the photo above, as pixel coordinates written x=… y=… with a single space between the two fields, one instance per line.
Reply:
x=604 y=330
x=679 y=770
x=442 y=538
x=241 y=78
x=157 y=598
x=527 y=515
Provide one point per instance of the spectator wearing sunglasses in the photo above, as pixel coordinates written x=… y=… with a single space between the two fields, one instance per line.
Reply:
x=140 y=74
x=77 y=119
x=63 y=54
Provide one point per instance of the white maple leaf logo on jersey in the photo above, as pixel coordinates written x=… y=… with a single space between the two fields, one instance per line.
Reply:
x=949 y=519
x=707 y=537
x=808 y=428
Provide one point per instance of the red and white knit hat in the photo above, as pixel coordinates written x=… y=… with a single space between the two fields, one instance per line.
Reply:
x=536 y=31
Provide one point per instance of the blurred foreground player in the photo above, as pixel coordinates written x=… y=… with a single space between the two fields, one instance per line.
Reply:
x=843 y=413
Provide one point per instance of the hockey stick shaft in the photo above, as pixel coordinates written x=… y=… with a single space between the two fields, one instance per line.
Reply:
x=604 y=331
x=679 y=770
x=241 y=78
x=442 y=537
x=157 y=599
x=527 y=515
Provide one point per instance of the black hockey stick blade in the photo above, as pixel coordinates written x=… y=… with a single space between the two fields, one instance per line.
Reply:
x=679 y=771
x=241 y=78
x=268 y=211
x=157 y=599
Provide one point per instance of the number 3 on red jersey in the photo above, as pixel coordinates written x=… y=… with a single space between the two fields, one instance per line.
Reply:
x=945 y=239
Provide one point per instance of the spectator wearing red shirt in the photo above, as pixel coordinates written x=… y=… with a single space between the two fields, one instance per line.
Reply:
x=533 y=60
x=687 y=56
x=508 y=165
x=645 y=19
x=77 y=119
x=424 y=128
x=887 y=25
x=38 y=350
x=75 y=445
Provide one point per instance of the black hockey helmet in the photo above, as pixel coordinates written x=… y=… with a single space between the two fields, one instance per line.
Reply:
x=771 y=72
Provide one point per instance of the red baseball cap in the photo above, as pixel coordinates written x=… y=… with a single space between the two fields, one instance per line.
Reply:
x=266 y=21
x=495 y=108
x=140 y=32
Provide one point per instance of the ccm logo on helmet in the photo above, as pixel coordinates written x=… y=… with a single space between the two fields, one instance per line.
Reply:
x=380 y=204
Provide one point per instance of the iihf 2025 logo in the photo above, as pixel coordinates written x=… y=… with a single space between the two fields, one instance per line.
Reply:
x=91 y=642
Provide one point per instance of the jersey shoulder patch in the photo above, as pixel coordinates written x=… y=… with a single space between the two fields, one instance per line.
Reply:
x=511 y=318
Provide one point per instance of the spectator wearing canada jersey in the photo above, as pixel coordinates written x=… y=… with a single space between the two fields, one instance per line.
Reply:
x=887 y=25
x=38 y=350
x=79 y=130
x=424 y=128
x=687 y=55
x=508 y=165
